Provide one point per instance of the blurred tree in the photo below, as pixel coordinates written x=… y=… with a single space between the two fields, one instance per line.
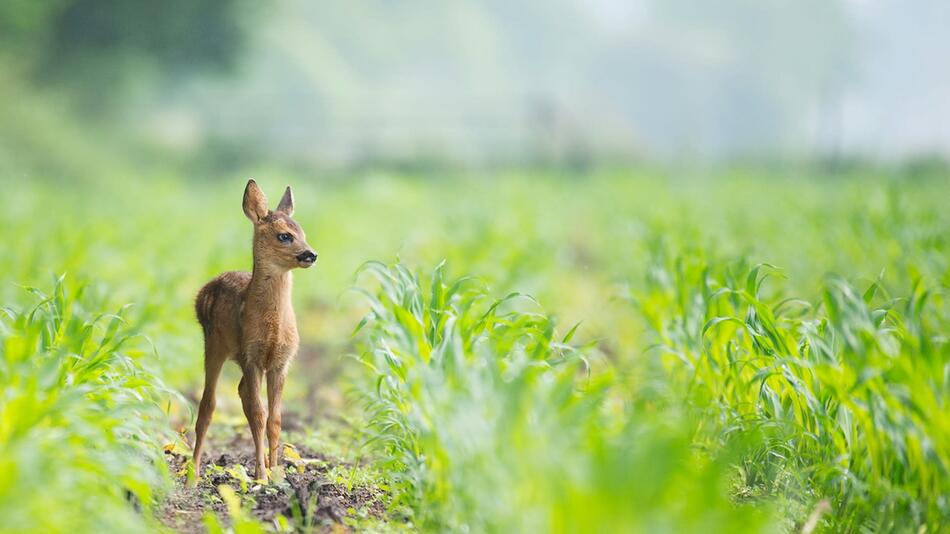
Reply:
x=94 y=44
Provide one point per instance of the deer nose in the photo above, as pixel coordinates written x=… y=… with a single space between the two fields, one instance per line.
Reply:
x=307 y=257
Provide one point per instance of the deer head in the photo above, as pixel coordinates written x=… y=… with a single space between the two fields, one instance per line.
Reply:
x=279 y=242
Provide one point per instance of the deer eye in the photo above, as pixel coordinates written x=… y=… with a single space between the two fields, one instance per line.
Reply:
x=285 y=238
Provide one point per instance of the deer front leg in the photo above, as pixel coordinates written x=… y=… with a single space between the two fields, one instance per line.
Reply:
x=275 y=392
x=250 y=391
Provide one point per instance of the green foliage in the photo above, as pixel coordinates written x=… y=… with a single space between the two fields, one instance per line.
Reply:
x=490 y=421
x=240 y=522
x=80 y=421
x=849 y=393
x=715 y=387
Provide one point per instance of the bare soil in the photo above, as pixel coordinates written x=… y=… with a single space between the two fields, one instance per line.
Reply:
x=306 y=497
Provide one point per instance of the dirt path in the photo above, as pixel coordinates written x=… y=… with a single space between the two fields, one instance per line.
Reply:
x=307 y=494
x=314 y=490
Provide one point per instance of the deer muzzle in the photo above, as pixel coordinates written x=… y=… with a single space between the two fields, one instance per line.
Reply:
x=306 y=259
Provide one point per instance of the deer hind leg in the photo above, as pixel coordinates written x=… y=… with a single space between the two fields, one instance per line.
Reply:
x=249 y=389
x=215 y=356
x=275 y=392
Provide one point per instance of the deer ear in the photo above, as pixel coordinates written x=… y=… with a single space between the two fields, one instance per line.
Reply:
x=286 y=205
x=255 y=203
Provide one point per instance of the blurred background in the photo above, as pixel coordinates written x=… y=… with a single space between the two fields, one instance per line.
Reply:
x=623 y=162
x=223 y=84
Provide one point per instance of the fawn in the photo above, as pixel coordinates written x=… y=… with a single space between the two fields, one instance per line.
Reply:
x=248 y=317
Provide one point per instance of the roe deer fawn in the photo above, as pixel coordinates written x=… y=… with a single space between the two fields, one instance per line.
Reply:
x=248 y=317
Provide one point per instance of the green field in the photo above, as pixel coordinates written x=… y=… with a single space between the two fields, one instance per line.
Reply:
x=617 y=350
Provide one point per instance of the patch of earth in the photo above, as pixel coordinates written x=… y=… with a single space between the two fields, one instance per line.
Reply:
x=302 y=490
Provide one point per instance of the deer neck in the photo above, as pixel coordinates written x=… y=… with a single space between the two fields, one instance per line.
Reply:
x=269 y=289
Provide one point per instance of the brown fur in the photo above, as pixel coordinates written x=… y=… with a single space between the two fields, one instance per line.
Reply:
x=248 y=318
